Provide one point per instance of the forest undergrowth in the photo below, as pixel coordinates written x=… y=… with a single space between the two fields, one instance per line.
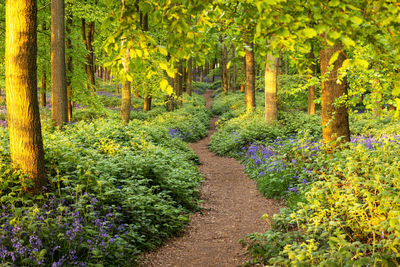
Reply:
x=342 y=208
x=115 y=190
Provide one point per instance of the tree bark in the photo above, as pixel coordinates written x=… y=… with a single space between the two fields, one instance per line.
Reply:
x=88 y=41
x=126 y=102
x=69 y=66
x=180 y=79
x=147 y=103
x=189 y=77
x=201 y=73
x=224 y=71
x=58 y=72
x=234 y=74
x=335 y=118
x=271 y=74
x=250 y=79
x=26 y=145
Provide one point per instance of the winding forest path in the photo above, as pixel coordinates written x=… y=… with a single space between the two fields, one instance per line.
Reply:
x=232 y=208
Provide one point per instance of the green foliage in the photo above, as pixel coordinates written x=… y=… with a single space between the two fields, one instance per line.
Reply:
x=236 y=128
x=115 y=190
x=349 y=216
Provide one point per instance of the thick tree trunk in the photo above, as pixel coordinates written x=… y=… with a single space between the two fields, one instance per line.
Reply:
x=250 y=79
x=126 y=102
x=26 y=145
x=311 y=89
x=58 y=72
x=69 y=67
x=189 y=77
x=335 y=118
x=271 y=74
x=147 y=103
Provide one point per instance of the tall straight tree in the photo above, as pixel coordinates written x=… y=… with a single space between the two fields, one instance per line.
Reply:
x=26 y=145
x=88 y=41
x=126 y=87
x=189 y=77
x=58 y=72
x=335 y=117
x=44 y=77
x=145 y=27
x=271 y=74
x=249 y=93
x=69 y=65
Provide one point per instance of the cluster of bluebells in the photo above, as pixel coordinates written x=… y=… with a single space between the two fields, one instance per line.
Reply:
x=177 y=133
x=59 y=233
x=371 y=142
x=273 y=158
x=269 y=159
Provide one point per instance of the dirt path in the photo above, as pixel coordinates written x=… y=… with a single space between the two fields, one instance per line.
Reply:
x=231 y=208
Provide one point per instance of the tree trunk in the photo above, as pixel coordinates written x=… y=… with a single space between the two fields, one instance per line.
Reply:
x=189 y=77
x=207 y=70
x=180 y=79
x=271 y=74
x=201 y=73
x=250 y=79
x=58 y=72
x=69 y=66
x=335 y=118
x=224 y=71
x=26 y=145
x=126 y=102
x=234 y=70
x=117 y=88
x=137 y=92
x=88 y=41
x=311 y=89
x=147 y=103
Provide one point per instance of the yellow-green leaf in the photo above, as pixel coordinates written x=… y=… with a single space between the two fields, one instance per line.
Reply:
x=309 y=32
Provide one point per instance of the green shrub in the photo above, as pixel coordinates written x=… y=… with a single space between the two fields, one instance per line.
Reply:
x=115 y=190
x=349 y=217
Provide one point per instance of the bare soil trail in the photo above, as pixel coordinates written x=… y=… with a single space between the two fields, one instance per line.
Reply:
x=232 y=208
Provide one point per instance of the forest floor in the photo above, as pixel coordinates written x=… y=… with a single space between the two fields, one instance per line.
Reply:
x=231 y=208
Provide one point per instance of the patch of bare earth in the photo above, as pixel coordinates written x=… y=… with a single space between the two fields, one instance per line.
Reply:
x=231 y=208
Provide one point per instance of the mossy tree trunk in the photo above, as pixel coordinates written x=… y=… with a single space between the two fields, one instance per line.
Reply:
x=26 y=145
x=58 y=71
x=335 y=118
